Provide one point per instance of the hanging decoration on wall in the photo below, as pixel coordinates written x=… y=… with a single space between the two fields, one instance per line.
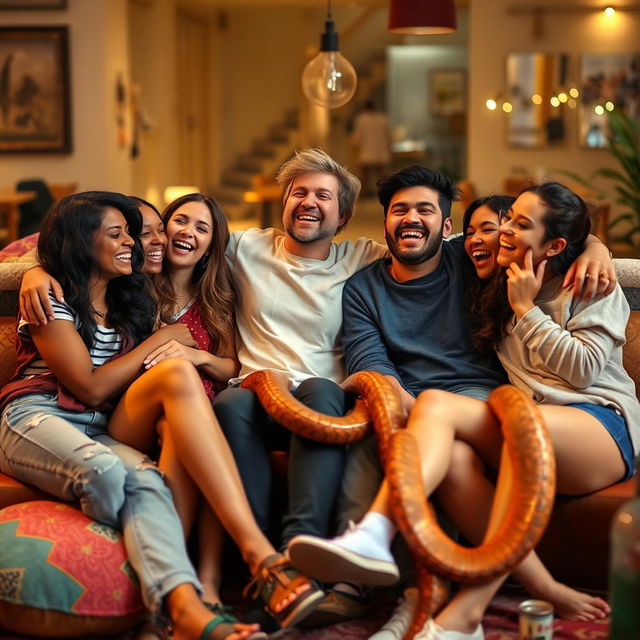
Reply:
x=121 y=112
x=329 y=80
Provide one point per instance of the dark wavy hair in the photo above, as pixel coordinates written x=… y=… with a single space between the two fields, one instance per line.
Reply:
x=566 y=216
x=65 y=251
x=418 y=176
x=211 y=275
x=476 y=289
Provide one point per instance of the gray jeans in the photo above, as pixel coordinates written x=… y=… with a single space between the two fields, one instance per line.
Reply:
x=70 y=455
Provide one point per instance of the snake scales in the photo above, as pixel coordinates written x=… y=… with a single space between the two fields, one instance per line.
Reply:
x=527 y=470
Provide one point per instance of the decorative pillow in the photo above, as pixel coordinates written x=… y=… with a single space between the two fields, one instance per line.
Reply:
x=15 y=250
x=63 y=574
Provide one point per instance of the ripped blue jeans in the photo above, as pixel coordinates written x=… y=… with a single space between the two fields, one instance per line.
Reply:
x=71 y=456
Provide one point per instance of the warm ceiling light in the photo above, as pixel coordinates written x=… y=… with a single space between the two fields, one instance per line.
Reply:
x=491 y=104
x=609 y=11
x=554 y=101
x=507 y=107
x=573 y=92
x=177 y=191
x=536 y=98
x=422 y=17
x=599 y=109
x=329 y=80
x=609 y=106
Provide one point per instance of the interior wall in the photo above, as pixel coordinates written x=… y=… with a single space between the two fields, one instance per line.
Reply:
x=152 y=45
x=262 y=54
x=494 y=34
x=98 y=54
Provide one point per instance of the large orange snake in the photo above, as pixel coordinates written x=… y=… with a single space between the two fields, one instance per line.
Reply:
x=527 y=470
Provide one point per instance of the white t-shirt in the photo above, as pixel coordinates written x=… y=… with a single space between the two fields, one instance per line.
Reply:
x=289 y=309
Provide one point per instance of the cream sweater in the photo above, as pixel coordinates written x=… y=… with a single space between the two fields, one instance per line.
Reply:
x=564 y=351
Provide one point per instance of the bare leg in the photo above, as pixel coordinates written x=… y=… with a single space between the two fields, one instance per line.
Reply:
x=436 y=427
x=188 y=502
x=210 y=541
x=189 y=616
x=436 y=424
x=186 y=496
x=173 y=389
x=467 y=495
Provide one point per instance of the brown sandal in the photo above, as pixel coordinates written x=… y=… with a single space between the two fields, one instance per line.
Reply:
x=276 y=579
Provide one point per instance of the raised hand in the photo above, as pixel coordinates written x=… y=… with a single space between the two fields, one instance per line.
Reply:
x=523 y=284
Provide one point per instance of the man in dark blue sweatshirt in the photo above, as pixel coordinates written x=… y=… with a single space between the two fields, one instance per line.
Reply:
x=404 y=316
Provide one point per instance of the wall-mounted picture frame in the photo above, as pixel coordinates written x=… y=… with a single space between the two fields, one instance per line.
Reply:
x=35 y=105
x=534 y=80
x=22 y=5
x=448 y=92
x=607 y=81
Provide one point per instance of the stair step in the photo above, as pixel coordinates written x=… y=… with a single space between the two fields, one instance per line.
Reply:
x=227 y=194
x=249 y=162
x=263 y=149
x=236 y=178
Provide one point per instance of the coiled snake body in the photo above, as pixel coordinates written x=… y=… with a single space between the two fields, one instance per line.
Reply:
x=527 y=476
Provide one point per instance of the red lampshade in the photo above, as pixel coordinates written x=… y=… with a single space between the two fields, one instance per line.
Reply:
x=422 y=17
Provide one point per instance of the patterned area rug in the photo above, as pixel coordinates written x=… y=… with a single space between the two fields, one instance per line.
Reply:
x=500 y=623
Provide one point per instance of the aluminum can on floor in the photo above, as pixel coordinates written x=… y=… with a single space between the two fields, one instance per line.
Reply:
x=536 y=620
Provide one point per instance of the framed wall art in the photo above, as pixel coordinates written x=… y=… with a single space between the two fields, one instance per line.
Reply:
x=34 y=90
x=608 y=81
x=448 y=92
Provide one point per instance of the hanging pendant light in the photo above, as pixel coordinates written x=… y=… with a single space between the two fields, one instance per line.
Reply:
x=422 y=17
x=329 y=80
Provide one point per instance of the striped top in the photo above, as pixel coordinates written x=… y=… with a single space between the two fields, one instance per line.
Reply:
x=106 y=344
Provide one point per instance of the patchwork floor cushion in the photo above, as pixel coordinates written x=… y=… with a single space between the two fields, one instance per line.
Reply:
x=63 y=574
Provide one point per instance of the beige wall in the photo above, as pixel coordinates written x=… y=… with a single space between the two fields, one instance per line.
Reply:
x=153 y=70
x=98 y=54
x=494 y=34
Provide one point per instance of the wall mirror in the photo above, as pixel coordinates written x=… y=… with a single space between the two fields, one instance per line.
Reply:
x=607 y=82
x=537 y=98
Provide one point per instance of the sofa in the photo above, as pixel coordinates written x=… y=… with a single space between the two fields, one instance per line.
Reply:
x=576 y=544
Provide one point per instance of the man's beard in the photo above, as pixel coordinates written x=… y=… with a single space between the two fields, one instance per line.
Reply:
x=307 y=235
x=418 y=255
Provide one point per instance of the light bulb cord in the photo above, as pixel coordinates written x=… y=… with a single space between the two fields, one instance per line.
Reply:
x=329 y=12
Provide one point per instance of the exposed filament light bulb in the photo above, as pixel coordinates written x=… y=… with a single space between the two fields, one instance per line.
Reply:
x=329 y=80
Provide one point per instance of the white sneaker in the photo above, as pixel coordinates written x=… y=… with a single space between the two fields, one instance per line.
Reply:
x=398 y=624
x=433 y=631
x=356 y=556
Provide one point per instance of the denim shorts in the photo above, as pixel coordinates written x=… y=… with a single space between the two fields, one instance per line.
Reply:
x=479 y=393
x=614 y=422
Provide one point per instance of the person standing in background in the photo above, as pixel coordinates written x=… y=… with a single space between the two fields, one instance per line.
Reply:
x=372 y=140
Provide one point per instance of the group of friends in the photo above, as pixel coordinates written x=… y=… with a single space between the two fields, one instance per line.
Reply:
x=136 y=328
